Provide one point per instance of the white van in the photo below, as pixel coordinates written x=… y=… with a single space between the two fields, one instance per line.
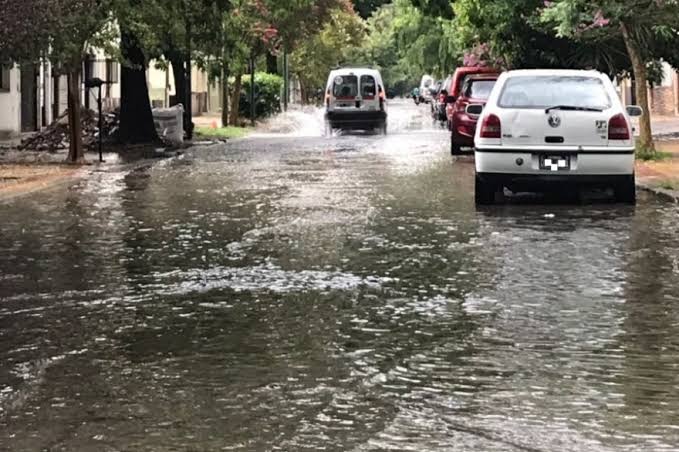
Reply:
x=426 y=85
x=553 y=127
x=355 y=99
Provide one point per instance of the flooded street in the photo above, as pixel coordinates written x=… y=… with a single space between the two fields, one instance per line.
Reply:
x=293 y=292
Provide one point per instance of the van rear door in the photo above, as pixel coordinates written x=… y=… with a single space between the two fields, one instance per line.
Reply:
x=371 y=95
x=345 y=92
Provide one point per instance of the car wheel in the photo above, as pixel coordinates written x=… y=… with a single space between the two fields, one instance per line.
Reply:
x=455 y=148
x=484 y=192
x=328 y=129
x=383 y=128
x=626 y=191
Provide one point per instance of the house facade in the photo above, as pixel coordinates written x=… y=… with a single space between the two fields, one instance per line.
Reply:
x=31 y=96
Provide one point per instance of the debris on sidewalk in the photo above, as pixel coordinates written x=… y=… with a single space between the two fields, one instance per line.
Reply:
x=55 y=136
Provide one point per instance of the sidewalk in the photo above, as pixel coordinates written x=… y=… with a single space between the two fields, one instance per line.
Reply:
x=662 y=176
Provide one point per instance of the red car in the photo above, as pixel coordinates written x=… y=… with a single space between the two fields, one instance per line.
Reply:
x=454 y=86
x=475 y=90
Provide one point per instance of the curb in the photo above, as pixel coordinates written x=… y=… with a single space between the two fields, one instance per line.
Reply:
x=667 y=195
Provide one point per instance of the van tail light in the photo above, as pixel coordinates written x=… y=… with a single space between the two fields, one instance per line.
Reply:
x=618 y=128
x=491 y=127
x=382 y=99
x=327 y=98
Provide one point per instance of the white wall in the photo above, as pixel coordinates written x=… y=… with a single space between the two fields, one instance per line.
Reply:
x=10 y=106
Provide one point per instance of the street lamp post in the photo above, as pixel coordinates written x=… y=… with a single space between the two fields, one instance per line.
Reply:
x=98 y=83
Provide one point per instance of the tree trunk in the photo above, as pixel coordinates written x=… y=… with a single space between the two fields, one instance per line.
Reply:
x=176 y=59
x=271 y=63
x=136 y=118
x=75 y=149
x=225 y=96
x=645 y=141
x=188 y=111
x=235 y=99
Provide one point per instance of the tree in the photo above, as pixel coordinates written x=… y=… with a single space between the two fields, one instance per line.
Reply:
x=648 y=30
x=314 y=58
x=61 y=31
x=366 y=8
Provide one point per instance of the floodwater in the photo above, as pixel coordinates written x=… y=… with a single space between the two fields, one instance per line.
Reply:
x=293 y=292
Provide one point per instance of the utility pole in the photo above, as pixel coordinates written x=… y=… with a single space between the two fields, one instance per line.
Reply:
x=286 y=81
x=253 y=110
x=188 y=111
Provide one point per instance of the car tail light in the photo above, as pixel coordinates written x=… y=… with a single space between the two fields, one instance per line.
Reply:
x=327 y=98
x=491 y=127
x=618 y=129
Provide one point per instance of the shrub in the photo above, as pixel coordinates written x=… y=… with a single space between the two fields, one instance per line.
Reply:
x=268 y=88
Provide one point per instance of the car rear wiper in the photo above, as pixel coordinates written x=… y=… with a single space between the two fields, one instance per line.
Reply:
x=572 y=108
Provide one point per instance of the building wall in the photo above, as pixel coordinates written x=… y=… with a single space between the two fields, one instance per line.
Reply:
x=662 y=100
x=10 y=106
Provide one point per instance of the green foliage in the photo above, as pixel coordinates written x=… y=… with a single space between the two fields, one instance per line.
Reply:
x=404 y=44
x=268 y=88
x=316 y=57
x=222 y=132
x=669 y=185
x=651 y=155
x=366 y=8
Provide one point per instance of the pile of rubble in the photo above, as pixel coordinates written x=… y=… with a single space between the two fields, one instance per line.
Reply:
x=56 y=137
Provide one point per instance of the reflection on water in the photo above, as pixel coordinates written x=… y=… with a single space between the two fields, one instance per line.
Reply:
x=342 y=294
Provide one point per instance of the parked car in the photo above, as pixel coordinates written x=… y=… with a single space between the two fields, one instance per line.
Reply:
x=475 y=90
x=425 y=89
x=355 y=99
x=439 y=102
x=455 y=87
x=554 y=128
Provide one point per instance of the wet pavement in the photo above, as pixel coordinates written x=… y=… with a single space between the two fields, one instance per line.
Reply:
x=292 y=292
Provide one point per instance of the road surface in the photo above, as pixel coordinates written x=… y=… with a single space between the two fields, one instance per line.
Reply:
x=293 y=292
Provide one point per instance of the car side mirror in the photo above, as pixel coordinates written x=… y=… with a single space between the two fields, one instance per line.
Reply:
x=635 y=111
x=450 y=99
x=474 y=109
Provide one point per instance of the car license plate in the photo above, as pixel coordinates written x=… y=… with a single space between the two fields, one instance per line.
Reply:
x=345 y=105
x=555 y=163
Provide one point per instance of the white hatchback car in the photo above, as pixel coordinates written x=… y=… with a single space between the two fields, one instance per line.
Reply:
x=553 y=127
x=355 y=99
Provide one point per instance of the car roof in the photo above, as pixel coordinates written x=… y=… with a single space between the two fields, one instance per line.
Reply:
x=355 y=70
x=561 y=72
x=476 y=70
x=483 y=77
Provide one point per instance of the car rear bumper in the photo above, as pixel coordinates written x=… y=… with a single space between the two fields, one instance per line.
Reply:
x=527 y=163
x=355 y=119
x=530 y=182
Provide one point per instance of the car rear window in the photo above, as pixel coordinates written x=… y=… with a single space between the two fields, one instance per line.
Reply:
x=479 y=89
x=368 y=86
x=549 y=91
x=345 y=86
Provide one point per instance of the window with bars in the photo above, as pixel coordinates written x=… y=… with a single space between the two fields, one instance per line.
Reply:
x=5 y=78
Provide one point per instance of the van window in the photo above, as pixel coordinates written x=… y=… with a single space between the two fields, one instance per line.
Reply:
x=549 y=91
x=345 y=86
x=368 y=86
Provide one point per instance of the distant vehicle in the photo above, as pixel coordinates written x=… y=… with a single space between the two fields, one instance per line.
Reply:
x=553 y=128
x=355 y=99
x=454 y=87
x=425 y=89
x=439 y=102
x=475 y=90
x=416 y=95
